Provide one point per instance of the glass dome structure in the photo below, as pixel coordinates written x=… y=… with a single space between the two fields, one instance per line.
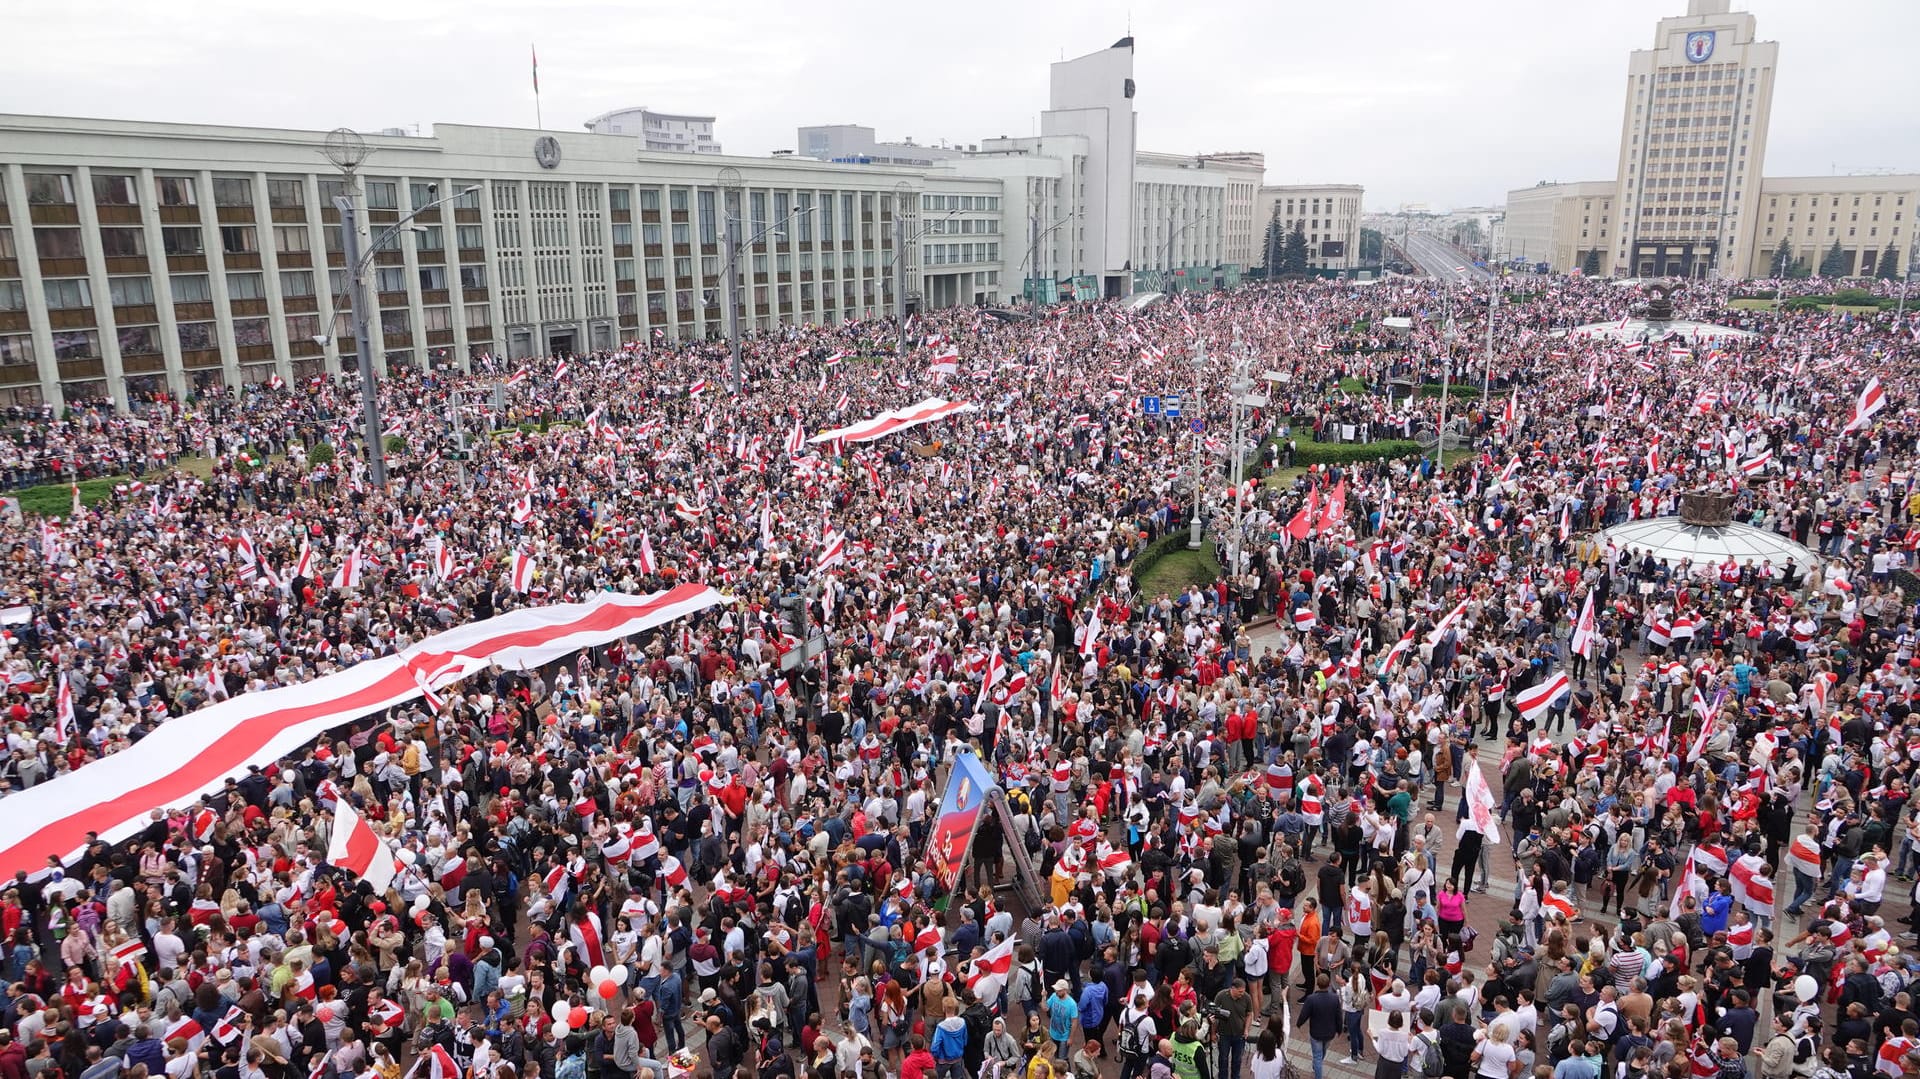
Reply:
x=1708 y=545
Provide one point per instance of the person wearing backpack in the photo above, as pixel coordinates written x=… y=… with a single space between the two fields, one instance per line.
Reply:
x=1424 y=1059
x=1136 y=1038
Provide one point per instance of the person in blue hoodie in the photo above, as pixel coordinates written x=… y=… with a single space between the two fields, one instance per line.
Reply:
x=949 y=1046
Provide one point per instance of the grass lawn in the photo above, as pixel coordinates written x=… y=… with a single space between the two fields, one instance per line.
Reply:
x=1175 y=572
x=1354 y=386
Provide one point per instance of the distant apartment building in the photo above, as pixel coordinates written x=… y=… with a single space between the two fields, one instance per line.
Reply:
x=659 y=132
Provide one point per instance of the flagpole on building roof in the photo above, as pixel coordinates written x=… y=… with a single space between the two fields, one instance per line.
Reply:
x=535 y=53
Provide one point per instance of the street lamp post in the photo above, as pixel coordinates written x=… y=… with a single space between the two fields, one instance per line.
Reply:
x=730 y=188
x=898 y=264
x=357 y=263
x=1166 y=261
x=1493 y=304
x=1447 y=337
x=1243 y=399
x=1031 y=279
x=1199 y=368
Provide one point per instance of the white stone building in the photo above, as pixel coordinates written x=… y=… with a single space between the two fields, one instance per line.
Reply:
x=137 y=257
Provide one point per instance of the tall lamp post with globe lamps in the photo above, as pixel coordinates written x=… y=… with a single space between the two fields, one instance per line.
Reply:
x=347 y=150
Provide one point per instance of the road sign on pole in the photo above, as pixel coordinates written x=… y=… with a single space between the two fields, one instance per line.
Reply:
x=1197 y=425
x=1150 y=406
x=1170 y=404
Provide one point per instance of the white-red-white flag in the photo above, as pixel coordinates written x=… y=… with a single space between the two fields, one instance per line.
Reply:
x=522 y=570
x=1482 y=813
x=355 y=847
x=1584 y=630
x=1872 y=400
x=1534 y=702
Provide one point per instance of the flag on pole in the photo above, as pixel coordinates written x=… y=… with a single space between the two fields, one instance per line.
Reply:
x=1583 y=630
x=1872 y=399
x=1534 y=702
x=1480 y=804
x=536 y=67
x=355 y=847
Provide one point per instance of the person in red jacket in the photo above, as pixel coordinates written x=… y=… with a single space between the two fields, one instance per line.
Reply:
x=919 y=1062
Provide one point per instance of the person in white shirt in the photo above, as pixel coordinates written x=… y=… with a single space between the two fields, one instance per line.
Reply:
x=167 y=947
x=1869 y=885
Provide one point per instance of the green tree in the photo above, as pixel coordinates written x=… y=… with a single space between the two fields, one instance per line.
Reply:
x=1800 y=270
x=1274 y=244
x=1591 y=264
x=1782 y=259
x=1294 y=260
x=1888 y=268
x=1836 y=262
x=1371 y=246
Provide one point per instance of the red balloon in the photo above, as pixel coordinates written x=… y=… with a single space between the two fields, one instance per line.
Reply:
x=577 y=1018
x=608 y=989
x=500 y=749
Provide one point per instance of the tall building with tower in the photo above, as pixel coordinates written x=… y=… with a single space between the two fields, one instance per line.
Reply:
x=1690 y=197
x=1693 y=141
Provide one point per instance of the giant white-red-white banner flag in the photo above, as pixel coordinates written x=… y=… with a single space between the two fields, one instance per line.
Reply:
x=194 y=755
x=1481 y=808
x=900 y=419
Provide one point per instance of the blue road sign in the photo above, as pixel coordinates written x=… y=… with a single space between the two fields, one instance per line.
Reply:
x=1197 y=425
x=1150 y=406
x=1171 y=405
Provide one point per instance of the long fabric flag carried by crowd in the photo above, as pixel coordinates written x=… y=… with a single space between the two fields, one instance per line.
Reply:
x=194 y=755
x=900 y=419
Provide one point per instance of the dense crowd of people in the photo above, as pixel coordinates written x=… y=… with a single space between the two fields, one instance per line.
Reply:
x=674 y=855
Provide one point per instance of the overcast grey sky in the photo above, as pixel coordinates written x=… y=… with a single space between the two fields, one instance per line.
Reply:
x=1447 y=102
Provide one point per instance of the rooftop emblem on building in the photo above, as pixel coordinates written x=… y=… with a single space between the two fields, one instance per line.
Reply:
x=1699 y=46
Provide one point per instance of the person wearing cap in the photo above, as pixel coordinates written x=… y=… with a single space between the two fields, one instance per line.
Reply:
x=1062 y=1012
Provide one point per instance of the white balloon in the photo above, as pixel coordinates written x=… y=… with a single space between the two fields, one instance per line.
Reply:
x=560 y=1027
x=619 y=975
x=559 y=1011
x=422 y=901
x=1806 y=987
x=406 y=856
x=596 y=975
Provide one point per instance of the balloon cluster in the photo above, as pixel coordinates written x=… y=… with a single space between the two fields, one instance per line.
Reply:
x=604 y=981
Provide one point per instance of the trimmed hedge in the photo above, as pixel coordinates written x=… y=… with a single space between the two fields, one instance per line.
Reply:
x=1174 y=539
x=1456 y=389
x=1342 y=453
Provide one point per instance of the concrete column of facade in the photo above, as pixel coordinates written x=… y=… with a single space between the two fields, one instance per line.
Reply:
x=332 y=305
x=457 y=354
x=408 y=246
x=270 y=277
x=612 y=289
x=529 y=271
x=376 y=335
x=105 y=326
x=490 y=240
x=149 y=201
x=28 y=250
x=216 y=256
x=576 y=265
